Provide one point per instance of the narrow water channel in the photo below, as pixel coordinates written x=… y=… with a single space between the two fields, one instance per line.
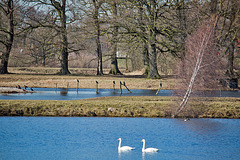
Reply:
x=73 y=94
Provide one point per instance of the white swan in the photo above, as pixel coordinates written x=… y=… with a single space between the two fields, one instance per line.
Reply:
x=148 y=149
x=123 y=148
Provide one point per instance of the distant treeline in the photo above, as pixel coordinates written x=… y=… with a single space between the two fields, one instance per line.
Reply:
x=152 y=35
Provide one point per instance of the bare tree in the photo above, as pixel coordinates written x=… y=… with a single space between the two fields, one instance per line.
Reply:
x=152 y=27
x=152 y=38
x=229 y=31
x=57 y=18
x=181 y=15
x=201 y=49
x=97 y=5
x=40 y=45
x=61 y=10
x=114 y=40
x=7 y=9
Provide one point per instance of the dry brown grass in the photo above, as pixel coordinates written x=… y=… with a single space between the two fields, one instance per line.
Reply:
x=47 y=77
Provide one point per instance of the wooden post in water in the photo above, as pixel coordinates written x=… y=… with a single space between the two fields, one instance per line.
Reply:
x=56 y=88
x=126 y=87
x=113 y=86
x=97 y=87
x=77 y=85
x=121 y=87
x=220 y=91
x=160 y=86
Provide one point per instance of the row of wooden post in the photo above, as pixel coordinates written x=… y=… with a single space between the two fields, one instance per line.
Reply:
x=121 y=84
x=124 y=84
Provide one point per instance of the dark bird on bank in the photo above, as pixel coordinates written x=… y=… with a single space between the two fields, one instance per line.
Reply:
x=113 y=82
x=31 y=89
x=77 y=80
x=97 y=82
x=18 y=86
x=25 y=87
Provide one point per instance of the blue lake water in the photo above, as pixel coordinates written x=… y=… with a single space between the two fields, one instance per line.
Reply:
x=65 y=138
x=85 y=93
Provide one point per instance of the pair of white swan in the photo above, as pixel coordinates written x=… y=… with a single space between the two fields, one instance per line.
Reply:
x=127 y=148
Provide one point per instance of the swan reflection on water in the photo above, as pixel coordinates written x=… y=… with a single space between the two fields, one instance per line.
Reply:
x=147 y=153
x=120 y=153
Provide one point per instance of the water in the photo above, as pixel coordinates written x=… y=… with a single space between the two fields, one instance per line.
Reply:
x=73 y=138
x=72 y=94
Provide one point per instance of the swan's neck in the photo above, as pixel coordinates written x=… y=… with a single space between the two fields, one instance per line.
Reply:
x=143 y=146
x=119 y=145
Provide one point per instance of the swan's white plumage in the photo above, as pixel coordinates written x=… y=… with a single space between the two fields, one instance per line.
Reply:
x=148 y=149
x=123 y=148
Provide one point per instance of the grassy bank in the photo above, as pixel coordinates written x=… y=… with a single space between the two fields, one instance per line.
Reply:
x=123 y=107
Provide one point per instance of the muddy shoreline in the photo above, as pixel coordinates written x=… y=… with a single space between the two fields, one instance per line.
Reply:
x=8 y=90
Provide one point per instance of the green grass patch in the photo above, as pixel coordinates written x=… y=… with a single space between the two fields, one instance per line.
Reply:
x=123 y=107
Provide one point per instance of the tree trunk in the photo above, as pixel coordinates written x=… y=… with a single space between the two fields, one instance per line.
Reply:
x=182 y=18
x=153 y=71
x=146 y=59
x=213 y=7
x=99 y=53
x=64 y=57
x=44 y=56
x=230 y=60
x=63 y=32
x=9 y=42
x=114 y=64
x=64 y=52
x=232 y=17
x=98 y=42
x=145 y=44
